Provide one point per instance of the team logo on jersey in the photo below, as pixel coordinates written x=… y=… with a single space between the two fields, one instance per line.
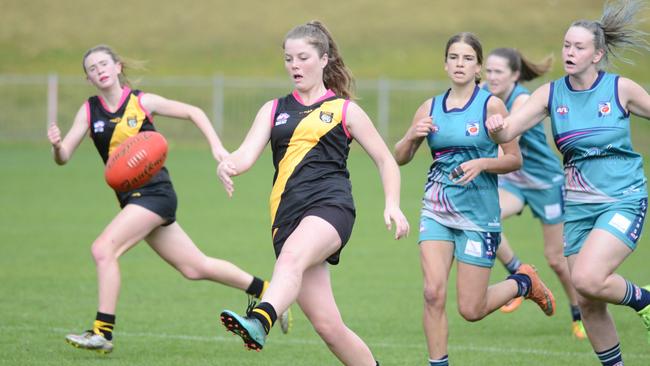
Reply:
x=282 y=119
x=471 y=129
x=604 y=109
x=131 y=121
x=562 y=110
x=326 y=117
x=98 y=126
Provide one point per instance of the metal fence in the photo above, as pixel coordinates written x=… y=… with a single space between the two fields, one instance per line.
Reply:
x=28 y=102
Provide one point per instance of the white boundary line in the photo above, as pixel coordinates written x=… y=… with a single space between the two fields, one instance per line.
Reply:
x=294 y=341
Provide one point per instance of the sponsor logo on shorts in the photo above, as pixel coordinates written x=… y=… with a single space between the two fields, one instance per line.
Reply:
x=620 y=222
x=473 y=248
x=552 y=211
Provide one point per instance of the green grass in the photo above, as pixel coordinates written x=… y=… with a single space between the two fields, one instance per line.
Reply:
x=402 y=39
x=52 y=214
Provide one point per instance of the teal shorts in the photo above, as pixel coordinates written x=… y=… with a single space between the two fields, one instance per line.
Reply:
x=546 y=204
x=478 y=248
x=623 y=219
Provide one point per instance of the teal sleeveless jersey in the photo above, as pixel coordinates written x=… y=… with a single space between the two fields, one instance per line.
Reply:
x=592 y=131
x=461 y=136
x=541 y=168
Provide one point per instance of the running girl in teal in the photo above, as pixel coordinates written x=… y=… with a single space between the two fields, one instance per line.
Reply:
x=539 y=183
x=606 y=193
x=460 y=217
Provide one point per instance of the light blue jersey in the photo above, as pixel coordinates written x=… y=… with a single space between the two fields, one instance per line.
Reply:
x=461 y=137
x=592 y=131
x=541 y=168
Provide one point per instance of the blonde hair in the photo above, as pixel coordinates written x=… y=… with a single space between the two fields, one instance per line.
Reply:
x=127 y=64
x=527 y=69
x=336 y=75
x=616 y=30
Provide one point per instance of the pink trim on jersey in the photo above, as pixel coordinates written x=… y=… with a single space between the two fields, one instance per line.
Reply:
x=344 y=115
x=273 y=109
x=572 y=135
x=87 y=104
x=327 y=94
x=125 y=91
x=149 y=116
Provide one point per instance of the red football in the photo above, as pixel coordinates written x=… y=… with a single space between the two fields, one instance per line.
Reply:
x=136 y=161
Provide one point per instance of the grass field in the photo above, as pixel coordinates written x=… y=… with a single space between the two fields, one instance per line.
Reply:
x=52 y=214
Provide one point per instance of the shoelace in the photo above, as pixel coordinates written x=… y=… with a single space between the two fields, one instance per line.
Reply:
x=251 y=305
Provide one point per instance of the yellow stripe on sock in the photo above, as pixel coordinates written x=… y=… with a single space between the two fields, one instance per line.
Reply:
x=264 y=287
x=265 y=315
x=99 y=327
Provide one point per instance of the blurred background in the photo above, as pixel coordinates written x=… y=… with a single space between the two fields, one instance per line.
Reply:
x=226 y=56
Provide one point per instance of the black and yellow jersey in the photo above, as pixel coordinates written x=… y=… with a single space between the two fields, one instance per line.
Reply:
x=310 y=146
x=109 y=129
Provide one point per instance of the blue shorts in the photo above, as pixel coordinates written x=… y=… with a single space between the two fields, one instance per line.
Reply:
x=623 y=219
x=477 y=248
x=546 y=204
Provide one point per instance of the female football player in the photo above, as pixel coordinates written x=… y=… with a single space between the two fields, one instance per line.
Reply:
x=312 y=212
x=540 y=181
x=147 y=213
x=606 y=192
x=460 y=218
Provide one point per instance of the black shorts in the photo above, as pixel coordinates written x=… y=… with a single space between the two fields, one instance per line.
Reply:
x=341 y=217
x=159 y=197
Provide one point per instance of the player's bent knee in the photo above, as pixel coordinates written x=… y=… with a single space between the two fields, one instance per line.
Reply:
x=585 y=284
x=471 y=313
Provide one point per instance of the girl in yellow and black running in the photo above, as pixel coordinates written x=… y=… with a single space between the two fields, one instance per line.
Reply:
x=110 y=117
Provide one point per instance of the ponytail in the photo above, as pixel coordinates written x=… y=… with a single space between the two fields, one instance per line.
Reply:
x=528 y=70
x=616 y=30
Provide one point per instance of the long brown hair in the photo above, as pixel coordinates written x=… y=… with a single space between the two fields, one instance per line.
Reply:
x=472 y=41
x=127 y=64
x=528 y=70
x=336 y=75
x=616 y=30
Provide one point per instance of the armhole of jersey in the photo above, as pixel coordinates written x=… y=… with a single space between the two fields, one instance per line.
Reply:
x=618 y=100
x=485 y=116
x=433 y=103
x=344 y=115
x=146 y=112
x=87 y=104
x=273 y=109
x=549 y=104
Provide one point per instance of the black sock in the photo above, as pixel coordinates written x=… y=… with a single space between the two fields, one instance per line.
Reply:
x=104 y=324
x=256 y=288
x=265 y=313
x=575 y=313
x=523 y=283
